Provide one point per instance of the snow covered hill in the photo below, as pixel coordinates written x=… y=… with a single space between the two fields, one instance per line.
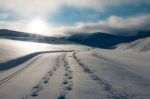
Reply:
x=105 y=40
x=28 y=37
x=138 y=45
x=60 y=69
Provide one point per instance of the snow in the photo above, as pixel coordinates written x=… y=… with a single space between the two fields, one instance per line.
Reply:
x=125 y=71
x=72 y=71
x=138 y=45
x=11 y=49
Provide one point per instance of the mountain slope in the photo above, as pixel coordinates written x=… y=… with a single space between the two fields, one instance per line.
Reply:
x=23 y=36
x=138 y=45
x=104 y=40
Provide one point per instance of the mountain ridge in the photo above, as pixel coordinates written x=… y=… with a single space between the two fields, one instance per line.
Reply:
x=104 y=40
x=23 y=36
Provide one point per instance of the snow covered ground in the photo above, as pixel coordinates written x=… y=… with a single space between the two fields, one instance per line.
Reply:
x=137 y=45
x=71 y=71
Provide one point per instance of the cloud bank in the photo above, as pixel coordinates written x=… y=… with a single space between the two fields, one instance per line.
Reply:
x=114 y=25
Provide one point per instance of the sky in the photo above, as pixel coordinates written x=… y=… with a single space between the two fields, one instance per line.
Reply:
x=63 y=17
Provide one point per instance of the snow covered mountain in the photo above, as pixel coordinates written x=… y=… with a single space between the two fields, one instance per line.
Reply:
x=105 y=40
x=38 y=67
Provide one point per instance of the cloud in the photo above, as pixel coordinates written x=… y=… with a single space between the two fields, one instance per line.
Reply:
x=30 y=26
x=42 y=7
x=114 y=25
x=8 y=15
x=13 y=25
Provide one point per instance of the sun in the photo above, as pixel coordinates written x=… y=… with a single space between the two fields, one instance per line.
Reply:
x=37 y=26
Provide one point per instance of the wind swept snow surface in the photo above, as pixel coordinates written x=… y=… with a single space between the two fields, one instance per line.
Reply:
x=30 y=70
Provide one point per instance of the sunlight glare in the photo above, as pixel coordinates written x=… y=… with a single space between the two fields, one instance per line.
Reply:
x=37 y=26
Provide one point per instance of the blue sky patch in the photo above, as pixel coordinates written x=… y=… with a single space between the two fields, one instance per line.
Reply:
x=71 y=15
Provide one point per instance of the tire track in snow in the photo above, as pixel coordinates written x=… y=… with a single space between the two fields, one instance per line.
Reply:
x=67 y=83
x=20 y=60
x=6 y=79
x=111 y=92
x=9 y=77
